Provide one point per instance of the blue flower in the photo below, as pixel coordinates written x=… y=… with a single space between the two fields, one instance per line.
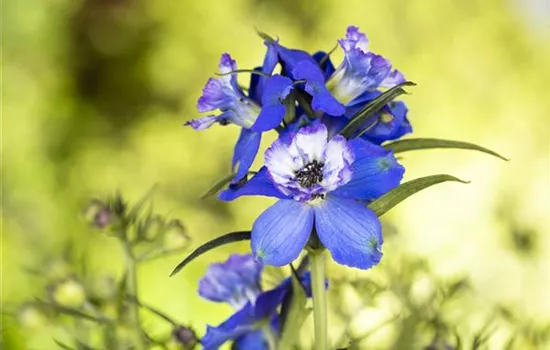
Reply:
x=361 y=69
x=390 y=123
x=322 y=185
x=237 y=282
x=301 y=66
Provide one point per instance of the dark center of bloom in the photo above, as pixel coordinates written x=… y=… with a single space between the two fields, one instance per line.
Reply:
x=310 y=174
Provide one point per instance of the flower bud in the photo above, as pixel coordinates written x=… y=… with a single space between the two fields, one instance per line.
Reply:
x=175 y=236
x=68 y=293
x=185 y=336
x=31 y=316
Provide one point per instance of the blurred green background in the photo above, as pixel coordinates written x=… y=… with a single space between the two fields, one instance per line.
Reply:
x=95 y=92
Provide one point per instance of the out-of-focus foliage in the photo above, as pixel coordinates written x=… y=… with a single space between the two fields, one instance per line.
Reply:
x=94 y=94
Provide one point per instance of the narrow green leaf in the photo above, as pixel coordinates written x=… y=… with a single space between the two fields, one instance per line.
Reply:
x=426 y=143
x=265 y=36
x=217 y=187
x=407 y=189
x=133 y=299
x=132 y=216
x=373 y=107
x=216 y=242
x=63 y=345
x=224 y=181
x=297 y=314
x=74 y=312
x=251 y=71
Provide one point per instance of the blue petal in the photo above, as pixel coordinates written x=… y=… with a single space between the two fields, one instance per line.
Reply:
x=259 y=185
x=350 y=231
x=251 y=341
x=268 y=302
x=372 y=177
x=280 y=233
x=219 y=284
x=291 y=57
x=204 y=122
x=328 y=67
x=246 y=267
x=276 y=89
x=315 y=86
x=323 y=100
x=240 y=323
x=270 y=117
x=257 y=82
x=392 y=124
x=246 y=149
x=234 y=281
x=255 y=88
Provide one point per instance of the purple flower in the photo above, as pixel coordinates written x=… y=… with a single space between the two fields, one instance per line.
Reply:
x=301 y=66
x=322 y=184
x=225 y=95
x=237 y=282
x=361 y=69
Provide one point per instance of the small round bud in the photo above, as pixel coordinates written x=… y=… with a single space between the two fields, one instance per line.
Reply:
x=31 y=316
x=99 y=214
x=185 y=336
x=69 y=293
x=175 y=236
x=152 y=228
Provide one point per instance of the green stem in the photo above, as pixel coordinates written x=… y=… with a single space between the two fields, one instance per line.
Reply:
x=132 y=289
x=270 y=337
x=317 y=262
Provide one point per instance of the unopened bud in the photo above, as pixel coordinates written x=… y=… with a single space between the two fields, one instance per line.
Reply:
x=185 y=336
x=175 y=236
x=31 y=316
x=69 y=293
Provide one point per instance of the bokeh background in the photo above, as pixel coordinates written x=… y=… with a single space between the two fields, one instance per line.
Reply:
x=95 y=92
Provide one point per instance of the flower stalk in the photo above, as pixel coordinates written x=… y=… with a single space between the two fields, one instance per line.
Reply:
x=131 y=289
x=317 y=261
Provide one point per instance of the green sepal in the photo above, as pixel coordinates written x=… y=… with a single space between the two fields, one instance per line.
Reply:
x=429 y=143
x=373 y=107
x=297 y=314
x=216 y=242
x=407 y=189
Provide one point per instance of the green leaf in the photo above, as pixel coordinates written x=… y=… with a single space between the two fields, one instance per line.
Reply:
x=265 y=36
x=74 y=312
x=373 y=107
x=217 y=187
x=297 y=314
x=63 y=345
x=224 y=181
x=425 y=143
x=407 y=189
x=216 y=242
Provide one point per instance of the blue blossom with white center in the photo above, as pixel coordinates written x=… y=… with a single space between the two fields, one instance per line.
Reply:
x=237 y=282
x=323 y=185
x=361 y=69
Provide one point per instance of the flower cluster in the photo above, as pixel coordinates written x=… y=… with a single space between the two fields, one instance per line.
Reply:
x=255 y=323
x=323 y=179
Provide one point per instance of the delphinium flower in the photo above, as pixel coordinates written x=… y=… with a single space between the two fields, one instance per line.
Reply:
x=255 y=323
x=356 y=82
x=323 y=186
x=225 y=94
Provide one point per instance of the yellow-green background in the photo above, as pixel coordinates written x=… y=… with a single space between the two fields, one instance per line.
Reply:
x=94 y=94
